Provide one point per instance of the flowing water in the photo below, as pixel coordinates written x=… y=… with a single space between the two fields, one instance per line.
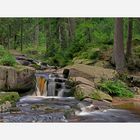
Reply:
x=51 y=84
x=50 y=105
x=65 y=109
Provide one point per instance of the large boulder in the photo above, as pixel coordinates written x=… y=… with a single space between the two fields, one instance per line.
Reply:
x=20 y=78
x=87 y=89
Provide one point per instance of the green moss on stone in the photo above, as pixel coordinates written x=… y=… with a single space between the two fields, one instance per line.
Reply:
x=12 y=97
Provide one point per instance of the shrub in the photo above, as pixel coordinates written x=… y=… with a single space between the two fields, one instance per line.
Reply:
x=8 y=60
x=116 y=88
x=94 y=54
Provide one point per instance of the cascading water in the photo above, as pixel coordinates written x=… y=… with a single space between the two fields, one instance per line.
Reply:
x=41 y=84
x=52 y=84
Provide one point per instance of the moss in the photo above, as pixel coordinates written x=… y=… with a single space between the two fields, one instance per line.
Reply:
x=95 y=96
x=20 y=68
x=79 y=95
x=68 y=113
x=99 y=95
x=12 y=97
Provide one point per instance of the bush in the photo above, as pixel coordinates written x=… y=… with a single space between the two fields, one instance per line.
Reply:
x=116 y=88
x=8 y=60
x=94 y=54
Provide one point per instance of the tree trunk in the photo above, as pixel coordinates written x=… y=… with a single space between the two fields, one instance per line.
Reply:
x=129 y=38
x=9 y=38
x=48 y=33
x=118 y=51
x=36 y=41
x=21 y=35
x=63 y=33
x=15 y=41
x=71 y=27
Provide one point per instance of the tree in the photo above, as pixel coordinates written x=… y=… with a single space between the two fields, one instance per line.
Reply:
x=21 y=34
x=71 y=27
x=118 y=50
x=129 y=38
x=9 y=37
x=48 y=32
x=36 y=40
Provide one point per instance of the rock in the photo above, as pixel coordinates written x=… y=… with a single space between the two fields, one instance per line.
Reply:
x=9 y=96
x=99 y=95
x=91 y=72
x=82 y=80
x=134 y=80
x=83 y=91
x=66 y=73
x=5 y=106
x=19 y=79
x=24 y=62
x=136 y=90
x=84 y=87
x=7 y=100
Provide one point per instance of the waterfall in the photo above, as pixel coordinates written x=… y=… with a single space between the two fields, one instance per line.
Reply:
x=52 y=84
x=41 y=85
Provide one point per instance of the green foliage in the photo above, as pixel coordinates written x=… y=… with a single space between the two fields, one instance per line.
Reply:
x=116 y=88
x=6 y=58
x=9 y=96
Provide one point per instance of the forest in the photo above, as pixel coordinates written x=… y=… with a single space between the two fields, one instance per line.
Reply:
x=94 y=63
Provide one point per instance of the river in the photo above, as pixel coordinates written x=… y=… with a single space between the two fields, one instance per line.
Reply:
x=64 y=109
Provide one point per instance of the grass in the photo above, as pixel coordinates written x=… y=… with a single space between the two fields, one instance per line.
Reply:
x=116 y=88
x=6 y=58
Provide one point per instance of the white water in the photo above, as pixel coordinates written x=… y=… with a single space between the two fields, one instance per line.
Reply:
x=39 y=98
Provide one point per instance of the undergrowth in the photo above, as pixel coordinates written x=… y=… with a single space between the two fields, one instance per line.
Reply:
x=116 y=88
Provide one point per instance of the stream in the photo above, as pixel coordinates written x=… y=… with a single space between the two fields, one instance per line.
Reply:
x=65 y=109
x=52 y=102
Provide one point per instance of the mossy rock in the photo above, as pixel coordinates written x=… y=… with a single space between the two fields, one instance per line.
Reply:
x=99 y=95
x=12 y=97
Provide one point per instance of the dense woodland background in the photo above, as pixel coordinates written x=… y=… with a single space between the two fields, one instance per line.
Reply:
x=58 y=40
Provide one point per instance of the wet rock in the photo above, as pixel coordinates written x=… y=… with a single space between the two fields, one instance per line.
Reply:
x=5 y=106
x=19 y=79
x=66 y=73
x=8 y=100
x=69 y=113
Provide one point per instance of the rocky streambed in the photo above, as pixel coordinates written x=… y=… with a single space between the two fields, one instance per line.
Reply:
x=68 y=109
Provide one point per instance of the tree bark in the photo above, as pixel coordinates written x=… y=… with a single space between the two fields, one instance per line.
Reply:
x=15 y=41
x=21 y=35
x=71 y=27
x=36 y=41
x=129 y=38
x=118 y=51
x=48 y=33
x=9 y=37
